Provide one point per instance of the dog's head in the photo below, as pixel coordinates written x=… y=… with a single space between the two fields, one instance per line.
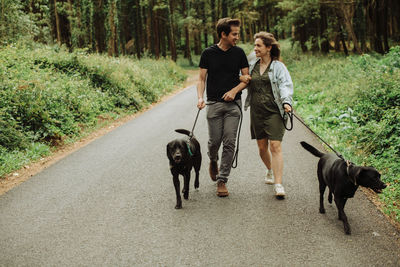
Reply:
x=177 y=151
x=370 y=177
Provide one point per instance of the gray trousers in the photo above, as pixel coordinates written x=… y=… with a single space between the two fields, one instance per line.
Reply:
x=223 y=120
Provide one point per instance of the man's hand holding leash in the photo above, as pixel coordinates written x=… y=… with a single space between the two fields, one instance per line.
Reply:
x=200 y=103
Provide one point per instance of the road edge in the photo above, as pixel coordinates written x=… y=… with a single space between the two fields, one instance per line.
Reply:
x=17 y=177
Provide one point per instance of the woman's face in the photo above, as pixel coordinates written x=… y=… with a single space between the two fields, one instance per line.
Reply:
x=260 y=49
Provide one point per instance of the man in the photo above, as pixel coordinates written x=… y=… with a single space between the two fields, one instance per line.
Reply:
x=220 y=65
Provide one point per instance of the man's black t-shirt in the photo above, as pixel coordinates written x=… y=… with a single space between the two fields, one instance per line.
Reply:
x=222 y=70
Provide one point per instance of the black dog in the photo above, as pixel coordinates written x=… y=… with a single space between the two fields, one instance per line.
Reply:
x=342 y=178
x=183 y=154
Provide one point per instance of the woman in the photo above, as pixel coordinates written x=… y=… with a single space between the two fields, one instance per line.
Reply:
x=269 y=96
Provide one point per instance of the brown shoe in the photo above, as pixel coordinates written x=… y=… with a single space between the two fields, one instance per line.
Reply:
x=221 y=189
x=213 y=170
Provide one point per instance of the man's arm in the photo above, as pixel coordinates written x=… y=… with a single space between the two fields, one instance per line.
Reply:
x=201 y=85
x=230 y=95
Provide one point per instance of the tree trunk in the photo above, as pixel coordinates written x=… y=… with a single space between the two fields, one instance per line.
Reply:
x=348 y=13
x=162 y=36
x=81 y=41
x=125 y=34
x=188 y=54
x=138 y=33
x=243 y=29
x=71 y=23
x=224 y=7
x=156 y=34
x=322 y=33
x=57 y=23
x=214 y=21
x=99 y=30
x=148 y=29
x=204 y=19
x=346 y=52
x=371 y=25
x=378 y=29
x=172 y=41
x=302 y=38
x=197 y=45
x=385 y=25
x=112 y=42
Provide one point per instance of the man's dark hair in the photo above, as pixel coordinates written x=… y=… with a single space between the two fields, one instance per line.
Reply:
x=224 y=25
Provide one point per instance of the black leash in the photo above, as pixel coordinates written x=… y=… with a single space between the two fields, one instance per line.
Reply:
x=302 y=122
x=285 y=116
x=195 y=121
x=236 y=155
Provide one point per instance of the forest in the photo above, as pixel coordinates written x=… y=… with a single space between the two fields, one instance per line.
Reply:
x=162 y=28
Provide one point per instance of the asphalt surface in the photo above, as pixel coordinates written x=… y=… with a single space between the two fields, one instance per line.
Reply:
x=112 y=202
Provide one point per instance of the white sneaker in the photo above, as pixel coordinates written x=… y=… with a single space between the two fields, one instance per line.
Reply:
x=269 y=178
x=279 y=191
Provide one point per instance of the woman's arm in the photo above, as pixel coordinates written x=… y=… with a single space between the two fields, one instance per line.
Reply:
x=285 y=86
x=230 y=95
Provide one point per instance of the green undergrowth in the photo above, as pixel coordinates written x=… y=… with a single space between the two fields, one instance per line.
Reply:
x=353 y=103
x=49 y=97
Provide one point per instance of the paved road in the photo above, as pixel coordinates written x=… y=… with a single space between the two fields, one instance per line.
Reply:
x=112 y=204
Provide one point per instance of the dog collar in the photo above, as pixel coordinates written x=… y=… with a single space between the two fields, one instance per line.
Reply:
x=190 y=151
x=348 y=163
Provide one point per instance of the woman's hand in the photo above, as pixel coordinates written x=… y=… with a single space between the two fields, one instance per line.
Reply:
x=245 y=78
x=229 y=96
x=287 y=107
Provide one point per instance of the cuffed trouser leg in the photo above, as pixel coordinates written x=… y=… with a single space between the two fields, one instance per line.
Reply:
x=223 y=120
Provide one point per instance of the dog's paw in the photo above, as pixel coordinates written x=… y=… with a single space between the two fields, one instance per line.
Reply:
x=321 y=210
x=178 y=206
x=196 y=185
x=347 y=229
x=186 y=195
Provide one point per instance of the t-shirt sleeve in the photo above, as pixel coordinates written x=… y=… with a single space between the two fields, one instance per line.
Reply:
x=243 y=60
x=204 y=60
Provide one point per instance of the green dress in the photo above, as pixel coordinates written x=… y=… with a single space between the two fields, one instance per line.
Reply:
x=266 y=120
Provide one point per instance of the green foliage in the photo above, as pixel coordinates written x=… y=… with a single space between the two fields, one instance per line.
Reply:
x=48 y=96
x=354 y=104
x=14 y=22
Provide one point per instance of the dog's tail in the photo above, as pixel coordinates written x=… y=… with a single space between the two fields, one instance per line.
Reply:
x=183 y=131
x=311 y=149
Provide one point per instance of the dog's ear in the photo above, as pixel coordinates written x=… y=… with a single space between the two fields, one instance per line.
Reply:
x=168 y=151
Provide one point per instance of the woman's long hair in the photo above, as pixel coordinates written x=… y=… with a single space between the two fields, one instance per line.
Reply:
x=269 y=40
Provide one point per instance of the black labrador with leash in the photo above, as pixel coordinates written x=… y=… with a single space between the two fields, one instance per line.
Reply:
x=184 y=154
x=342 y=178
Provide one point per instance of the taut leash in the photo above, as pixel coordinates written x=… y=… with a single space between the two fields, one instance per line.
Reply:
x=302 y=122
x=195 y=121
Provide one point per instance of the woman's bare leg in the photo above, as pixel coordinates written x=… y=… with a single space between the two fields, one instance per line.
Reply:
x=277 y=160
x=264 y=152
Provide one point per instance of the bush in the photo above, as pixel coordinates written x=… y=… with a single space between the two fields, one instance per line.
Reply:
x=49 y=96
